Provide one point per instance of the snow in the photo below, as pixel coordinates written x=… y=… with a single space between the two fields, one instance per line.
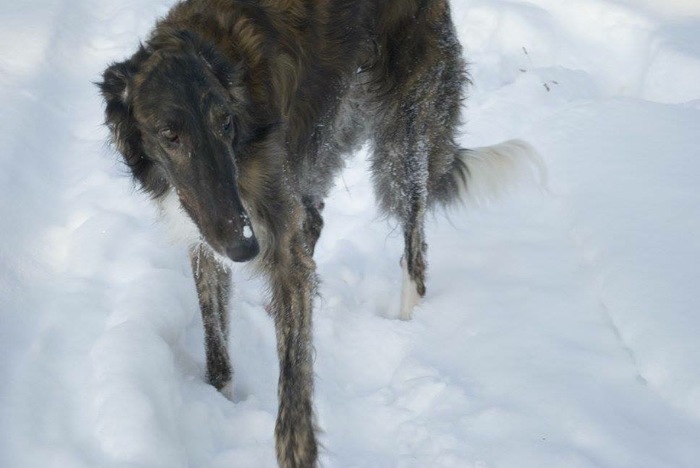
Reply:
x=559 y=327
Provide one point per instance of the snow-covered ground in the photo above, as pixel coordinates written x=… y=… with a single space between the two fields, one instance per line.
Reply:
x=560 y=328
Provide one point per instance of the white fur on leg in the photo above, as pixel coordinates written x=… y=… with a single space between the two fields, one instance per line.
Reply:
x=227 y=391
x=409 y=293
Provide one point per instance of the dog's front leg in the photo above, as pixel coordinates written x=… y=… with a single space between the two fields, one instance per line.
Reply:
x=213 y=282
x=292 y=283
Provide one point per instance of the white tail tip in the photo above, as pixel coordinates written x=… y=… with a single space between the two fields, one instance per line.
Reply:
x=494 y=171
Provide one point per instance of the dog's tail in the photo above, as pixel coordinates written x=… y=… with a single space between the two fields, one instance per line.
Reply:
x=483 y=175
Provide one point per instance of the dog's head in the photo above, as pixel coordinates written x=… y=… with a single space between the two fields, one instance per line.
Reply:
x=176 y=113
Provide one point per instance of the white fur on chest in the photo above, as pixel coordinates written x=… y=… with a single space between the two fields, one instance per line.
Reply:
x=180 y=227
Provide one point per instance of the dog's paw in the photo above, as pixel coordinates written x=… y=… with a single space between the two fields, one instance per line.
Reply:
x=410 y=297
x=227 y=391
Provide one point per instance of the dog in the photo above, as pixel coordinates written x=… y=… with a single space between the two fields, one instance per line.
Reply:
x=236 y=116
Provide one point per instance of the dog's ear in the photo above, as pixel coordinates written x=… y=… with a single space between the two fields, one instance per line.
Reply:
x=126 y=136
x=253 y=123
x=230 y=75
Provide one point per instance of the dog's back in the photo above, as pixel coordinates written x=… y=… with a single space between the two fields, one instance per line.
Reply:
x=327 y=69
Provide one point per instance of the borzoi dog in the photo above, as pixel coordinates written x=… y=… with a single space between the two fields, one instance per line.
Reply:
x=237 y=115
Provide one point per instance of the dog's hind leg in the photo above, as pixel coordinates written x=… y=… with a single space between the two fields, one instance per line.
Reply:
x=213 y=281
x=291 y=272
x=400 y=170
x=414 y=160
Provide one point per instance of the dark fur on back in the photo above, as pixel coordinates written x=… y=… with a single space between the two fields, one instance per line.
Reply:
x=244 y=109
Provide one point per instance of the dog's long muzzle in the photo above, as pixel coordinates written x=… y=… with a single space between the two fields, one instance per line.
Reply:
x=208 y=191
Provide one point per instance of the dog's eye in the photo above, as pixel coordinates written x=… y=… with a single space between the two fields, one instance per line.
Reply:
x=228 y=121
x=169 y=135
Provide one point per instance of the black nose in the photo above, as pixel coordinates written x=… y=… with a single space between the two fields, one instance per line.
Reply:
x=243 y=250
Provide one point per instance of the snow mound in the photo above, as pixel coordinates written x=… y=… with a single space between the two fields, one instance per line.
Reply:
x=559 y=329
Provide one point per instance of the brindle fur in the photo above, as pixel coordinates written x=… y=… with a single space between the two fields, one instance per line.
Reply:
x=213 y=282
x=306 y=82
